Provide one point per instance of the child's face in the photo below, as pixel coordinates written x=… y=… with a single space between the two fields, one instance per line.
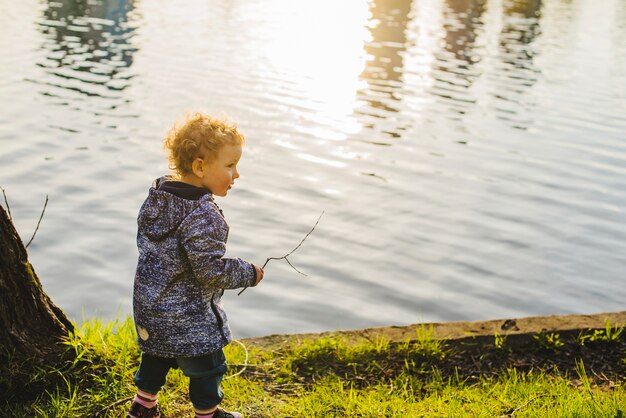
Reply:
x=219 y=175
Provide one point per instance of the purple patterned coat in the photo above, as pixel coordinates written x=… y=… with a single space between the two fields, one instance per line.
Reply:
x=181 y=275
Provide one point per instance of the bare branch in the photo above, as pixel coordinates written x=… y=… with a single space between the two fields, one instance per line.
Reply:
x=289 y=262
x=289 y=253
x=39 y=222
x=6 y=202
x=305 y=237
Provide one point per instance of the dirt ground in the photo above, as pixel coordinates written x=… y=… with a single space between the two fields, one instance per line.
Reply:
x=456 y=330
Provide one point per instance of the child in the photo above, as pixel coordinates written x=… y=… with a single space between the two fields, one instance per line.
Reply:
x=181 y=272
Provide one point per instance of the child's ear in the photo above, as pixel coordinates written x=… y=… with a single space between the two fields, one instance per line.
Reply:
x=197 y=167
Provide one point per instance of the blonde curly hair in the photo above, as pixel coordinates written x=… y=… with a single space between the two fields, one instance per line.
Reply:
x=197 y=135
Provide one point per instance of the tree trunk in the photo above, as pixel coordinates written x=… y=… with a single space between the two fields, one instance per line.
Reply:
x=31 y=326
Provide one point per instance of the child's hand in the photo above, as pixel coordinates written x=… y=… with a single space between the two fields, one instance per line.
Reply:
x=259 y=274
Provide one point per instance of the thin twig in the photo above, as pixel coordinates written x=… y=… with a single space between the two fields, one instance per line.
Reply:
x=245 y=362
x=305 y=237
x=6 y=202
x=121 y=401
x=39 y=222
x=292 y=266
x=524 y=405
x=284 y=257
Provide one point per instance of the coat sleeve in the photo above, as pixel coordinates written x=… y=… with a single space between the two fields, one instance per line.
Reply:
x=203 y=237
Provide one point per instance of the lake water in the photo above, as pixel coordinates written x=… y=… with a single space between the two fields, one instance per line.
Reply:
x=470 y=156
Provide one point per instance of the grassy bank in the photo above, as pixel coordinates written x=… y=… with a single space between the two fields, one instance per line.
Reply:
x=575 y=373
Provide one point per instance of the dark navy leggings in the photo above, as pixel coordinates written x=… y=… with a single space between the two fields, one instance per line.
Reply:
x=205 y=375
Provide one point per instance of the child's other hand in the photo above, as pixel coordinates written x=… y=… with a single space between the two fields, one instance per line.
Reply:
x=259 y=274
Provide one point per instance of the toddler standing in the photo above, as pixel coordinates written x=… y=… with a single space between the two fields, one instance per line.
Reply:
x=182 y=272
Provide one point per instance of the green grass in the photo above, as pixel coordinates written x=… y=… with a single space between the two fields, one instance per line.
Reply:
x=326 y=377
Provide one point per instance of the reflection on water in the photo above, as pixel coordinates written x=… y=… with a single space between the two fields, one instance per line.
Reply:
x=499 y=192
x=383 y=73
x=88 y=47
x=519 y=32
x=385 y=68
x=463 y=22
x=461 y=47
x=453 y=70
x=521 y=28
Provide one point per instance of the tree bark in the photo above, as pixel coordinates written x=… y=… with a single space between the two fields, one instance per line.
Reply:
x=31 y=325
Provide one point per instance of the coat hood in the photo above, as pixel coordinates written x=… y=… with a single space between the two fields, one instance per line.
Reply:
x=164 y=209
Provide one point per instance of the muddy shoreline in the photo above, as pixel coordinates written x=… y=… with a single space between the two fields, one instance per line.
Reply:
x=463 y=329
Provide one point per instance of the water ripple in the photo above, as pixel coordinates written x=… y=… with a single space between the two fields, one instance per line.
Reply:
x=469 y=155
